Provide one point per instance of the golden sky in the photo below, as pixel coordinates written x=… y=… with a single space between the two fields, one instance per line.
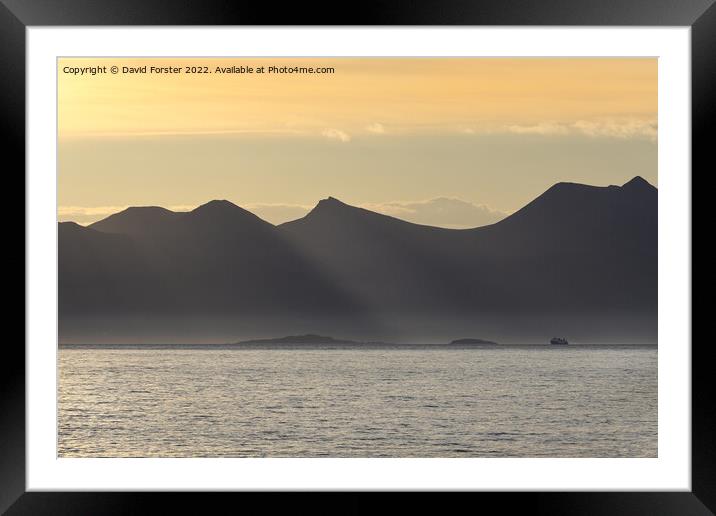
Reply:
x=491 y=132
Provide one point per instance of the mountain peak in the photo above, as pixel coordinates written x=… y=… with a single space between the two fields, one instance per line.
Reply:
x=329 y=205
x=638 y=183
x=221 y=211
x=216 y=204
x=139 y=212
x=330 y=201
x=561 y=192
x=135 y=219
x=146 y=209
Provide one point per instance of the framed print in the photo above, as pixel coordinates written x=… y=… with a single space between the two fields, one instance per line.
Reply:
x=432 y=251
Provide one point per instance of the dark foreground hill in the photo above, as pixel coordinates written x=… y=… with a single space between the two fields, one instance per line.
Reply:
x=576 y=256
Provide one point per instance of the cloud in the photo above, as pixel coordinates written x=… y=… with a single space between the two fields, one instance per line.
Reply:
x=86 y=215
x=376 y=128
x=64 y=211
x=183 y=133
x=336 y=134
x=631 y=128
x=442 y=211
x=544 y=128
x=624 y=128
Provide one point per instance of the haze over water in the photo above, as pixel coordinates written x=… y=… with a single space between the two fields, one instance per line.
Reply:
x=352 y=401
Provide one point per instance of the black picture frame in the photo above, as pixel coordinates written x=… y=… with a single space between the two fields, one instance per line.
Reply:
x=17 y=15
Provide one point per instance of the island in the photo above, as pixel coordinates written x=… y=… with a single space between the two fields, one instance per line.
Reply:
x=472 y=342
x=301 y=339
x=323 y=340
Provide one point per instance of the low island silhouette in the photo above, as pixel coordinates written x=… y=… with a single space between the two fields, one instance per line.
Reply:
x=473 y=342
x=313 y=339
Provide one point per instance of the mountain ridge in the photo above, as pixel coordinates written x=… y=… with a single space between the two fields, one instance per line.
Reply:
x=575 y=251
x=332 y=205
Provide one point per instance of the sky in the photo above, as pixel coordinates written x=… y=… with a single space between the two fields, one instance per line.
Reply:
x=451 y=142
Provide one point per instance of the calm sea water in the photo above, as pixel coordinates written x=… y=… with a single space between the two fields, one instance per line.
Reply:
x=512 y=401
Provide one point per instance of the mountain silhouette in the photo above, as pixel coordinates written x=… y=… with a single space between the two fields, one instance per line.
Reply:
x=574 y=248
x=586 y=248
x=136 y=220
x=575 y=252
x=217 y=259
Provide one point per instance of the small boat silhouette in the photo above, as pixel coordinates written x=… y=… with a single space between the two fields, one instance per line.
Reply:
x=558 y=341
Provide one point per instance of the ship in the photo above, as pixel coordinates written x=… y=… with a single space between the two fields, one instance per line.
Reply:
x=558 y=341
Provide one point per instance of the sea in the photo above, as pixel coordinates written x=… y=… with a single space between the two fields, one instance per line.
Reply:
x=357 y=401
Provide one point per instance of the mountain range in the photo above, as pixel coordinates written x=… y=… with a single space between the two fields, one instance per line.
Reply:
x=576 y=256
